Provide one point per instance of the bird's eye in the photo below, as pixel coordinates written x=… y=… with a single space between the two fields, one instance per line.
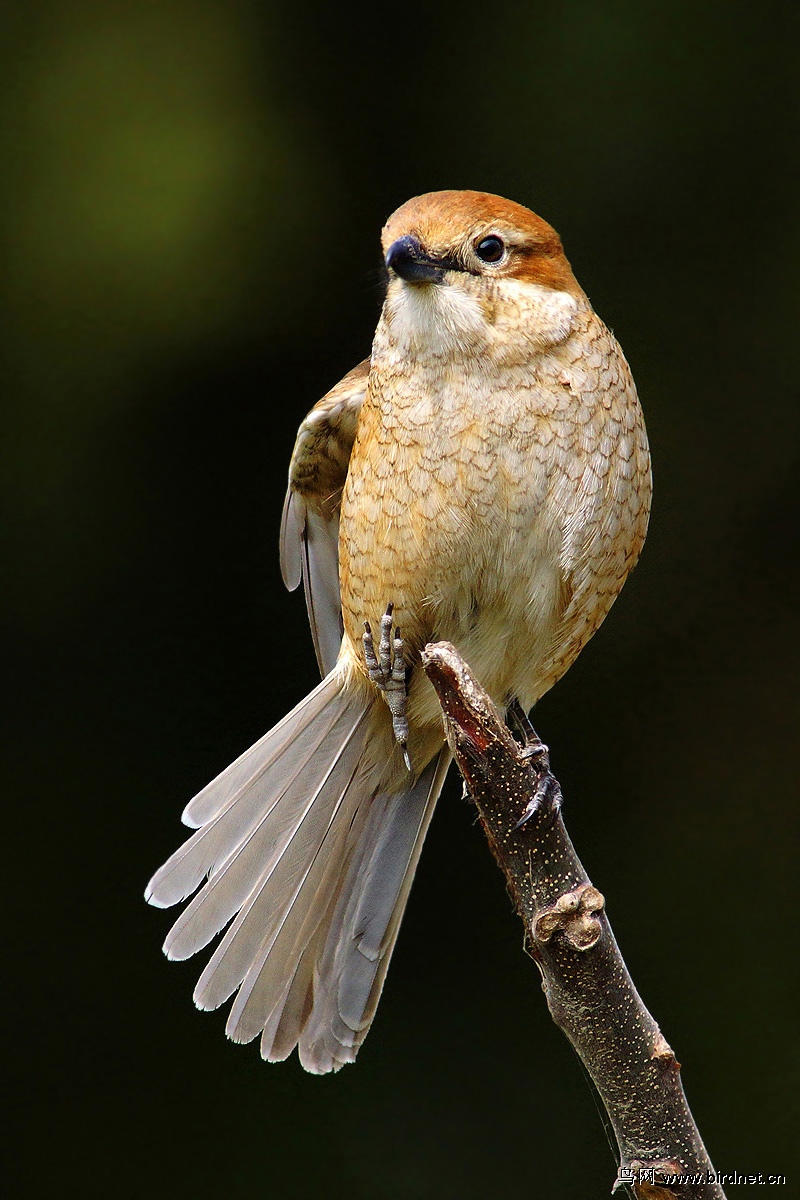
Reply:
x=491 y=249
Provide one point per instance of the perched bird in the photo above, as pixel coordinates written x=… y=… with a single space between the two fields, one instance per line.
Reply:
x=484 y=478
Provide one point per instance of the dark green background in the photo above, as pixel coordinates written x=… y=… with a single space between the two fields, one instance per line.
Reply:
x=192 y=197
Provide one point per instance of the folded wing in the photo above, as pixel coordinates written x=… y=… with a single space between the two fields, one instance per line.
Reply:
x=310 y=526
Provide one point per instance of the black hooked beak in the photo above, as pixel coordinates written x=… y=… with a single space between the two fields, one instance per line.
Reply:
x=408 y=260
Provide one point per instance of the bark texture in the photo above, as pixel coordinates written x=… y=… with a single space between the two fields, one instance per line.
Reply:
x=589 y=992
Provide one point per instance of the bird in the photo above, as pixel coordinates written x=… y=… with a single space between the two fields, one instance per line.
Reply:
x=482 y=478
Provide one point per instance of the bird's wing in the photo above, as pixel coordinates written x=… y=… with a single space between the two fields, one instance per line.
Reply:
x=310 y=525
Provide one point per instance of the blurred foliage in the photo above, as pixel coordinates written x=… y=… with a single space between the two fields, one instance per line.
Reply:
x=147 y=169
x=191 y=200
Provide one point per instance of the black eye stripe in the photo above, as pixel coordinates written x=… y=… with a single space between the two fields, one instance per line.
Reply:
x=490 y=249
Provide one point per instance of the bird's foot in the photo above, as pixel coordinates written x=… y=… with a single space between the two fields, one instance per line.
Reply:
x=547 y=790
x=387 y=671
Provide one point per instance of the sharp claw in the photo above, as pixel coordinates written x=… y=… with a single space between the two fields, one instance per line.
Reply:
x=546 y=798
x=387 y=670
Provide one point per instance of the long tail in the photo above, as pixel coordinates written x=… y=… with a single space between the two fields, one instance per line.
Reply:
x=313 y=861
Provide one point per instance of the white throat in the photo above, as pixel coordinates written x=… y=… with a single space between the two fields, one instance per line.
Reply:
x=504 y=320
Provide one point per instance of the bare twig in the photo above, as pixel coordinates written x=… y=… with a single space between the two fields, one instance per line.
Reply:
x=589 y=992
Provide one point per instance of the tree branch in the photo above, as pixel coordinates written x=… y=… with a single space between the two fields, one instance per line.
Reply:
x=589 y=992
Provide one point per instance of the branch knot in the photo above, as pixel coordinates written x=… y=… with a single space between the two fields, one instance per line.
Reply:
x=575 y=915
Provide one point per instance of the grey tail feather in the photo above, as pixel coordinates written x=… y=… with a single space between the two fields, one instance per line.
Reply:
x=364 y=920
x=311 y=863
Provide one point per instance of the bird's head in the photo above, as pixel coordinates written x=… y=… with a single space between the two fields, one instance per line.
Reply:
x=472 y=271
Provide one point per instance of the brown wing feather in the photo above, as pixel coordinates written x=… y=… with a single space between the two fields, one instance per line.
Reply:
x=310 y=525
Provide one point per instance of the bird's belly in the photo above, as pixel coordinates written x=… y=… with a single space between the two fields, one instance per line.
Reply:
x=501 y=612
x=463 y=544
